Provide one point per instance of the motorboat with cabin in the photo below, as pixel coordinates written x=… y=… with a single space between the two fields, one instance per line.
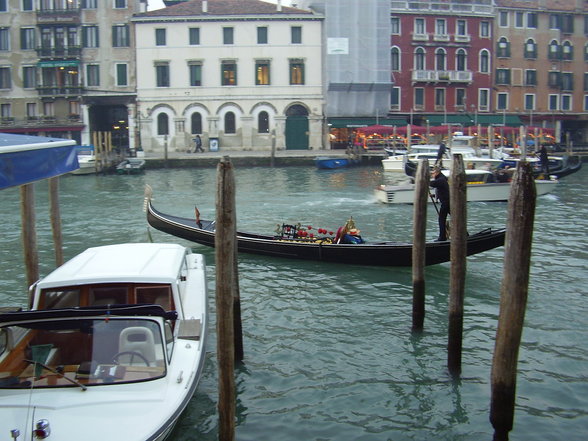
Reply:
x=112 y=347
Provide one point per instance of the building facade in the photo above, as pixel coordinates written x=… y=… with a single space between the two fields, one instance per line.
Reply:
x=242 y=75
x=541 y=64
x=67 y=68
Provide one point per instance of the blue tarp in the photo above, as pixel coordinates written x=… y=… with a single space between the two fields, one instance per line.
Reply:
x=25 y=159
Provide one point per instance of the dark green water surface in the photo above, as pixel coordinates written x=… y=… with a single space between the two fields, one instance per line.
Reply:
x=329 y=352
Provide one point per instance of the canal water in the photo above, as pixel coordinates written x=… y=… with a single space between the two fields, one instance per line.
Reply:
x=328 y=350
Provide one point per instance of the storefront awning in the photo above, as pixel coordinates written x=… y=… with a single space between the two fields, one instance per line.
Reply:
x=354 y=123
x=58 y=63
x=470 y=119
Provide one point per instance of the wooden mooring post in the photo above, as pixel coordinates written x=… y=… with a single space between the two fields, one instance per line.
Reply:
x=421 y=197
x=227 y=304
x=513 y=300
x=458 y=253
x=29 y=233
x=55 y=215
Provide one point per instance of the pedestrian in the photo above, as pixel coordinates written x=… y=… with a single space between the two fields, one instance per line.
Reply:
x=441 y=186
x=440 y=154
x=198 y=144
x=544 y=160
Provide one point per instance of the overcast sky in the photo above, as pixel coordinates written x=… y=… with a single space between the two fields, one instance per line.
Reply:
x=158 y=4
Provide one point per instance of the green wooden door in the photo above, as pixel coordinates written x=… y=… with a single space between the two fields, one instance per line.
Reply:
x=297 y=133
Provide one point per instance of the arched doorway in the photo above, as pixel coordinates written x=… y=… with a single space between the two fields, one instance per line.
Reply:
x=297 y=128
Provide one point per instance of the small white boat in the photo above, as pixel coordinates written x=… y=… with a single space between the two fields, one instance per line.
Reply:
x=131 y=166
x=87 y=161
x=471 y=160
x=482 y=186
x=112 y=348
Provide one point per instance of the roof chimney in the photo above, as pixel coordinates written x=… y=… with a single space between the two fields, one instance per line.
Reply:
x=204 y=6
x=279 y=7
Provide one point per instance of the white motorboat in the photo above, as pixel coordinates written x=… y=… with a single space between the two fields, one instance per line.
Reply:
x=482 y=186
x=112 y=349
x=396 y=163
x=87 y=161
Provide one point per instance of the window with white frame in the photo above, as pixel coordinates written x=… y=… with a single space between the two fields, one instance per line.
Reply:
x=553 y=101
x=530 y=101
x=90 y=36
x=194 y=36
x=419 y=98
x=4 y=39
x=121 y=74
x=230 y=123
x=530 y=49
x=3 y=5
x=502 y=101
x=503 y=19
x=89 y=4
x=395 y=25
x=585 y=103
x=532 y=20
x=530 y=77
x=195 y=73
x=519 y=19
x=440 y=26
x=162 y=124
x=32 y=110
x=29 y=77
x=263 y=122
x=440 y=59
x=485 y=29
x=160 y=37
x=27 y=5
x=296 y=35
x=27 y=39
x=5 y=77
x=484 y=61
x=162 y=74
x=5 y=110
x=461 y=28
x=120 y=4
x=262 y=72
x=419 y=59
x=440 y=98
x=461 y=60
x=120 y=36
x=483 y=99
x=419 y=26
x=395 y=59
x=92 y=75
x=395 y=98
x=566 y=102
x=49 y=108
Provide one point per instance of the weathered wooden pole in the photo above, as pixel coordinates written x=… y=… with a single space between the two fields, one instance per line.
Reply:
x=273 y=153
x=55 y=215
x=421 y=196
x=29 y=233
x=458 y=253
x=513 y=300
x=225 y=245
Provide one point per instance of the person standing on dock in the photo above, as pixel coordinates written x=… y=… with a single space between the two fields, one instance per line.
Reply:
x=198 y=144
x=441 y=186
x=544 y=160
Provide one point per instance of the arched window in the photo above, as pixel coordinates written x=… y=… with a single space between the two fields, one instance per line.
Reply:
x=162 y=124
x=567 y=51
x=196 y=123
x=230 y=122
x=419 y=59
x=461 y=59
x=395 y=58
x=503 y=49
x=530 y=49
x=263 y=122
x=484 y=61
x=440 y=59
x=553 y=53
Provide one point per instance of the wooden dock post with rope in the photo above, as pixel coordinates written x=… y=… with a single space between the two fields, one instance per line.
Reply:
x=421 y=196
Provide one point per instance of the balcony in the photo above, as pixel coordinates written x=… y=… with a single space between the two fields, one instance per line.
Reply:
x=420 y=37
x=462 y=38
x=60 y=91
x=60 y=52
x=442 y=76
x=440 y=37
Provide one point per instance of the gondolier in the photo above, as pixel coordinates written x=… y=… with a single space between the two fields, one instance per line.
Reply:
x=441 y=186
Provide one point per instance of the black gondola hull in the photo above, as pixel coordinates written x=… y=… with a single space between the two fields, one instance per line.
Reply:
x=375 y=253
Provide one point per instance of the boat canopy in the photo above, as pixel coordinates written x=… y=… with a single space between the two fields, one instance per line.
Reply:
x=25 y=159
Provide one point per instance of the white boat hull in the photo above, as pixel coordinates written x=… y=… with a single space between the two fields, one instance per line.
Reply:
x=495 y=192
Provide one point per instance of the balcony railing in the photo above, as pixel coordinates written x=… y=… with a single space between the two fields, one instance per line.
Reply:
x=480 y=7
x=59 y=52
x=60 y=90
x=442 y=76
x=41 y=121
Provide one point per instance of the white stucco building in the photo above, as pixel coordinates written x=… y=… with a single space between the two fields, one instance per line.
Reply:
x=236 y=71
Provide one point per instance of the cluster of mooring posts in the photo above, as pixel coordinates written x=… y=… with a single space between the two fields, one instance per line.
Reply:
x=513 y=299
x=514 y=288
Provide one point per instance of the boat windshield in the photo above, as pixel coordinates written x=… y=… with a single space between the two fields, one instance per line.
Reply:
x=80 y=352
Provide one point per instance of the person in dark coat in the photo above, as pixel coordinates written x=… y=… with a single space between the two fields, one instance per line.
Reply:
x=544 y=160
x=440 y=154
x=441 y=186
x=198 y=144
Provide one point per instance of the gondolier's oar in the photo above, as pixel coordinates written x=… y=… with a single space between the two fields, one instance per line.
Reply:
x=437 y=210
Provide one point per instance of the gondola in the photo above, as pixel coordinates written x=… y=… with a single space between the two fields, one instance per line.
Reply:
x=322 y=249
